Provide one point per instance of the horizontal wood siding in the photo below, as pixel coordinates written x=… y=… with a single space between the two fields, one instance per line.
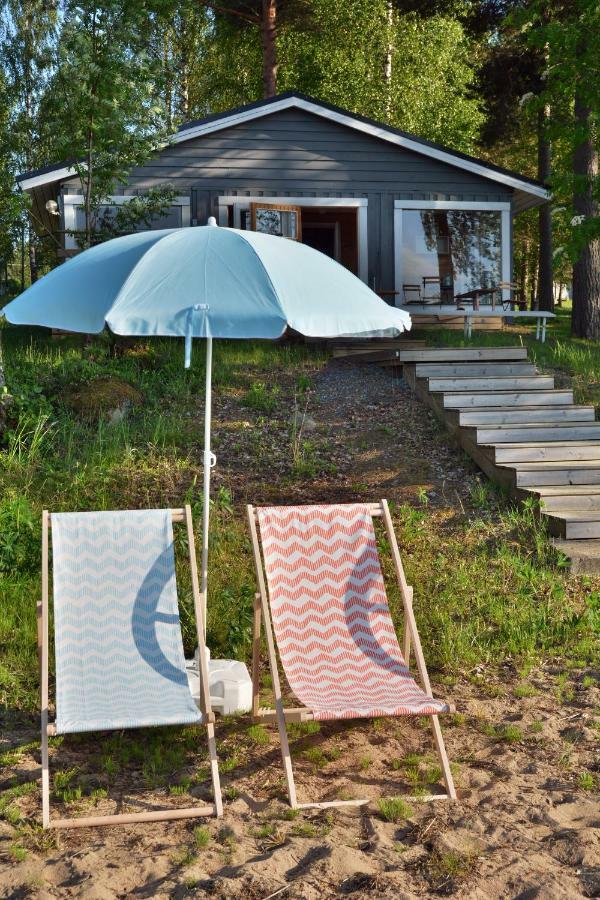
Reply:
x=294 y=153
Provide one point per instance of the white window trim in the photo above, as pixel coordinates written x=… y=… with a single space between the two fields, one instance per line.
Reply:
x=70 y=202
x=361 y=204
x=482 y=205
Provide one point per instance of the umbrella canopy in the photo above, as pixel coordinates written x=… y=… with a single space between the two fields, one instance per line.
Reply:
x=205 y=282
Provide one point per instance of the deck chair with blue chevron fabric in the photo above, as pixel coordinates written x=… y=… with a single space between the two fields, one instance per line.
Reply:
x=324 y=599
x=117 y=638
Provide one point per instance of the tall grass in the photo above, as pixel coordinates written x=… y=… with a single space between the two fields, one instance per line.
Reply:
x=486 y=588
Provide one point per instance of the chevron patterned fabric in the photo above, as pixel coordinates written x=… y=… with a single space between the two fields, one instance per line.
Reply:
x=336 y=638
x=119 y=652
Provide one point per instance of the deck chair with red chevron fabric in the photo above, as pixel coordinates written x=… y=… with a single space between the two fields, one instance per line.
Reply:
x=323 y=602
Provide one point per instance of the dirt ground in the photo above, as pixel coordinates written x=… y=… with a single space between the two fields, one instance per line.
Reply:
x=525 y=825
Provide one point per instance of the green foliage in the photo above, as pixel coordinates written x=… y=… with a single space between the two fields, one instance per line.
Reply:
x=20 y=536
x=261 y=397
x=100 y=98
x=337 y=53
x=567 y=37
x=395 y=809
x=202 y=837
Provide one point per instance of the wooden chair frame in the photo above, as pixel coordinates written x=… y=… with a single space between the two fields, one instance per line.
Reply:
x=183 y=515
x=302 y=714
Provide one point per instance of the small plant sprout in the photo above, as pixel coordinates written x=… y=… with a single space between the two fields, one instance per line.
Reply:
x=395 y=809
x=423 y=496
x=524 y=689
x=586 y=781
x=201 y=837
x=258 y=734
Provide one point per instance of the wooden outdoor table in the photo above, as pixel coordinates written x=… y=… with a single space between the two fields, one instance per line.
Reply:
x=468 y=315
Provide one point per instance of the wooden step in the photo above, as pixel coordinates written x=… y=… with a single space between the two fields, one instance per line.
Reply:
x=575 y=496
x=463 y=354
x=532 y=431
x=543 y=451
x=558 y=473
x=490 y=383
x=508 y=415
x=477 y=399
x=429 y=370
x=583 y=555
x=574 y=524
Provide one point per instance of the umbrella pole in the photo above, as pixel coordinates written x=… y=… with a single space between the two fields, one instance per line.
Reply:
x=209 y=461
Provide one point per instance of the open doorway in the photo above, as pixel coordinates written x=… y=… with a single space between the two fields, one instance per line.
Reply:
x=334 y=226
x=332 y=231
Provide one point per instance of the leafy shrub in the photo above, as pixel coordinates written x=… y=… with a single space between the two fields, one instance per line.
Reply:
x=20 y=536
x=261 y=397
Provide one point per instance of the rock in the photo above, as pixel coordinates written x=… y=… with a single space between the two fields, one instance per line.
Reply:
x=103 y=397
x=303 y=423
x=116 y=416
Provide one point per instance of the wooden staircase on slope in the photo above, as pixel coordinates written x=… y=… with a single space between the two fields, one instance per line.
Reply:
x=522 y=431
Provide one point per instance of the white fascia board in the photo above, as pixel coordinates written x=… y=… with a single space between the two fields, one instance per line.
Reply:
x=452 y=204
x=367 y=128
x=46 y=178
x=230 y=199
x=117 y=199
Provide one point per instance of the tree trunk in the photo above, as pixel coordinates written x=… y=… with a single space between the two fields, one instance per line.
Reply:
x=545 y=274
x=585 y=322
x=387 y=67
x=22 y=258
x=33 y=267
x=534 y=295
x=268 y=33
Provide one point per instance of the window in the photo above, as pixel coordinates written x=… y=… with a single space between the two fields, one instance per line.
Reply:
x=270 y=218
x=451 y=250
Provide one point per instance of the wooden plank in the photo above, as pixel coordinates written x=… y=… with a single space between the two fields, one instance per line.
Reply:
x=539 y=474
x=513 y=434
x=406 y=593
x=205 y=705
x=429 y=370
x=266 y=617
x=583 y=555
x=163 y=815
x=463 y=354
x=557 y=451
x=491 y=383
x=500 y=415
x=557 y=498
x=301 y=714
x=574 y=525
x=478 y=399
x=44 y=671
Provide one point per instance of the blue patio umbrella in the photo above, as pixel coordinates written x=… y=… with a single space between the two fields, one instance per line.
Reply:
x=205 y=282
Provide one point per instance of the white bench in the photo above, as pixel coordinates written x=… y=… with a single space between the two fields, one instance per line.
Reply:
x=468 y=314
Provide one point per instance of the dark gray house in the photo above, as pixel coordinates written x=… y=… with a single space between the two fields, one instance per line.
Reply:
x=403 y=213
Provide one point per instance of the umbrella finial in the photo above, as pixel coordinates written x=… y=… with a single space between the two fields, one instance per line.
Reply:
x=211 y=221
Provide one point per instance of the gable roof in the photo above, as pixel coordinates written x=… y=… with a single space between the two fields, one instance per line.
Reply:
x=529 y=192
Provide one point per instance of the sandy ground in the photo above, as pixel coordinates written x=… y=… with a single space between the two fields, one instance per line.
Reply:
x=525 y=825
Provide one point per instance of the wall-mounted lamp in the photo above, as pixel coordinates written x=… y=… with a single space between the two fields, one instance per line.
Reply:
x=52 y=207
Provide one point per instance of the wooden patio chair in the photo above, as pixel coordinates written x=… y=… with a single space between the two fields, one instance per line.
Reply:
x=432 y=289
x=411 y=293
x=330 y=617
x=118 y=646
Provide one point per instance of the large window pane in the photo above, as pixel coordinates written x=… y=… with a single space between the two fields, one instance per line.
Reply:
x=447 y=252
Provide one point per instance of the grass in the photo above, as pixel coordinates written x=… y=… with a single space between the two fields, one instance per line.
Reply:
x=202 y=837
x=500 y=591
x=395 y=809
